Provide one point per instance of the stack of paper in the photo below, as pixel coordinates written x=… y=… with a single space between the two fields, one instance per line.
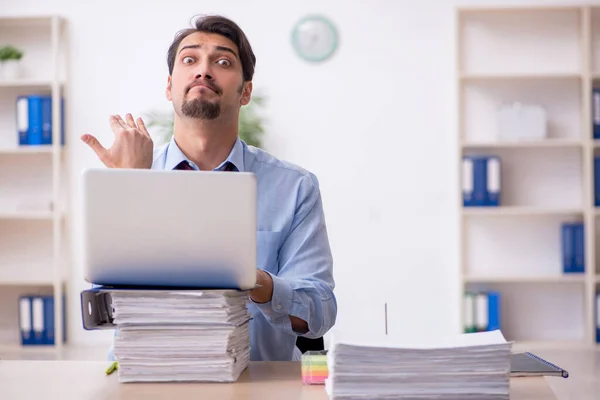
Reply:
x=181 y=335
x=469 y=366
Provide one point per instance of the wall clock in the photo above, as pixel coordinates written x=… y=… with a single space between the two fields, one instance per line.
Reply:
x=315 y=38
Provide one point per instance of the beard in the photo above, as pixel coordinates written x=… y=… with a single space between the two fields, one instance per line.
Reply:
x=201 y=109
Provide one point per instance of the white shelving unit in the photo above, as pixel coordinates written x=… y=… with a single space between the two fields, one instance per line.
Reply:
x=548 y=56
x=34 y=250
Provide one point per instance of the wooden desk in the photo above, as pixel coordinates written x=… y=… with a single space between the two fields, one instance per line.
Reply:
x=63 y=380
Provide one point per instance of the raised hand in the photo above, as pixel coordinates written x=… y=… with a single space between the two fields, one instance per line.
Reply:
x=132 y=148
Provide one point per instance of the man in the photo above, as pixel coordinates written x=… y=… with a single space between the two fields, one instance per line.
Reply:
x=210 y=77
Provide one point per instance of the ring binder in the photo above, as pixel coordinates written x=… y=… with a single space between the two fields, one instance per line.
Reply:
x=529 y=364
x=96 y=309
x=564 y=373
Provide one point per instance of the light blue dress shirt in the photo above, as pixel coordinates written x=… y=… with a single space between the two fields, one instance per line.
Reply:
x=292 y=246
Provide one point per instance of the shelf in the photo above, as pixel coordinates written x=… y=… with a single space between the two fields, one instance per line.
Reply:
x=522 y=42
x=28 y=83
x=25 y=282
x=538 y=56
x=34 y=180
x=547 y=312
x=562 y=100
x=519 y=211
x=44 y=149
x=30 y=274
x=465 y=10
x=15 y=351
x=28 y=21
x=560 y=279
x=515 y=248
x=12 y=348
x=520 y=76
x=529 y=178
x=29 y=215
x=534 y=144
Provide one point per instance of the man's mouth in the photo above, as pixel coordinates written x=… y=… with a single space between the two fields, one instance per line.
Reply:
x=203 y=84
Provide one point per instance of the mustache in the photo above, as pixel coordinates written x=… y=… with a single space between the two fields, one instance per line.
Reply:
x=201 y=82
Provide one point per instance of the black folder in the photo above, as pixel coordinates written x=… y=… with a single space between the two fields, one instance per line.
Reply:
x=528 y=364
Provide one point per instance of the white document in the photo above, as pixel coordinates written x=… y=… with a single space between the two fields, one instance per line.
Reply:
x=518 y=121
x=472 y=365
x=176 y=335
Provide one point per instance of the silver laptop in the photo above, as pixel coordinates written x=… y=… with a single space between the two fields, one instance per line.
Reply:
x=158 y=228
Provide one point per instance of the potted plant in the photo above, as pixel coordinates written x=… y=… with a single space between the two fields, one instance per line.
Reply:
x=10 y=57
x=250 y=125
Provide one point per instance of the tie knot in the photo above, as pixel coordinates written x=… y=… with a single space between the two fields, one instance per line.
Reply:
x=184 y=165
x=229 y=166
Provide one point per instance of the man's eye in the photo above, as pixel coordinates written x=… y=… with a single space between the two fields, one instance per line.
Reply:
x=187 y=60
x=224 y=62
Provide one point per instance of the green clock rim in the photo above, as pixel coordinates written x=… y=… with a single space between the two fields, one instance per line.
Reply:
x=330 y=25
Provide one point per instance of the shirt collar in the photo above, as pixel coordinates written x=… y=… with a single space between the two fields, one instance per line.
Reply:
x=175 y=156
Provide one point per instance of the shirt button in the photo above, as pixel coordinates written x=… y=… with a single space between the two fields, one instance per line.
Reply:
x=279 y=306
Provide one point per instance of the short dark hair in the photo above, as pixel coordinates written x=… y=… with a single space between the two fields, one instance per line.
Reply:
x=222 y=26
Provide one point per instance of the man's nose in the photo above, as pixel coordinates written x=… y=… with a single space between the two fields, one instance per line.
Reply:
x=203 y=72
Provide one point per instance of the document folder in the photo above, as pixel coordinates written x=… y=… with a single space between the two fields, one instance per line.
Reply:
x=529 y=364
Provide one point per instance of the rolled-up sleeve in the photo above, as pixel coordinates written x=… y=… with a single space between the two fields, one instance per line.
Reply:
x=303 y=286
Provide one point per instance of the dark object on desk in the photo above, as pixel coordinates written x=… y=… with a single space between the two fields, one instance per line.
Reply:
x=306 y=344
x=96 y=309
x=528 y=364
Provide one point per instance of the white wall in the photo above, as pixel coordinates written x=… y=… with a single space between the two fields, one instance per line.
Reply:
x=376 y=124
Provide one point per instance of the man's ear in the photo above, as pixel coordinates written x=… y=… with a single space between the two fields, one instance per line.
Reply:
x=246 y=93
x=168 y=90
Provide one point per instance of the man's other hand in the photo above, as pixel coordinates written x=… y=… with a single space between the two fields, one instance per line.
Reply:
x=264 y=290
x=132 y=148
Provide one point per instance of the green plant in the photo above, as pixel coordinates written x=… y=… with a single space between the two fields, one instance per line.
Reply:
x=250 y=126
x=160 y=126
x=10 y=53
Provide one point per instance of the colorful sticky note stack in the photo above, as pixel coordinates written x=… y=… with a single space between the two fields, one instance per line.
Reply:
x=314 y=367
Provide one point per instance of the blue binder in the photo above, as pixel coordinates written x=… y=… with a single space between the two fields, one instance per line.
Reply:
x=573 y=247
x=22 y=119
x=26 y=320
x=481 y=181
x=579 y=248
x=493 y=181
x=468 y=182
x=493 y=311
x=598 y=317
x=596 y=111
x=567 y=234
x=34 y=120
x=486 y=311
x=35 y=131
x=47 y=120
x=596 y=180
x=37 y=322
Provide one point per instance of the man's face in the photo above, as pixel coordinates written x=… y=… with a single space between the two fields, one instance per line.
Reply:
x=207 y=79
